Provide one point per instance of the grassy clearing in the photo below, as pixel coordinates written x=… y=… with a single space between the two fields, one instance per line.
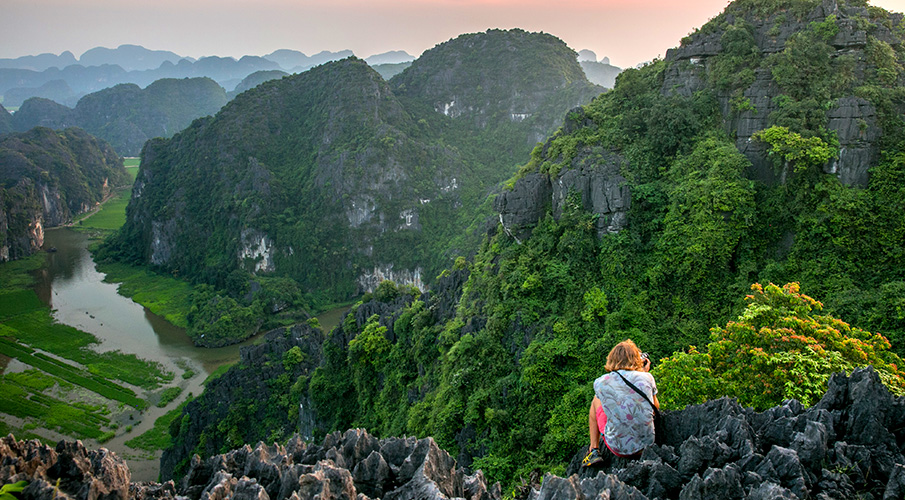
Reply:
x=109 y=218
x=168 y=395
x=131 y=162
x=19 y=302
x=23 y=395
x=163 y=295
x=67 y=372
x=158 y=437
x=38 y=329
x=14 y=276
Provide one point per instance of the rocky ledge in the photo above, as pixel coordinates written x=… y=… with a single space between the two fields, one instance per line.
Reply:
x=850 y=445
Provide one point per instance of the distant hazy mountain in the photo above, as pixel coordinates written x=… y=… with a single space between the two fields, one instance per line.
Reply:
x=101 y=68
x=128 y=57
x=392 y=57
x=41 y=112
x=288 y=58
x=587 y=55
x=56 y=90
x=126 y=115
x=294 y=61
x=388 y=71
x=601 y=73
x=253 y=80
x=40 y=62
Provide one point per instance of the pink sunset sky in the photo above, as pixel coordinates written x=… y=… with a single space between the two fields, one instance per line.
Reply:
x=627 y=31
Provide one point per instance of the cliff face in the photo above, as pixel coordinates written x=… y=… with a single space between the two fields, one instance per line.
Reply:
x=48 y=177
x=264 y=373
x=344 y=179
x=761 y=94
x=843 y=447
x=126 y=115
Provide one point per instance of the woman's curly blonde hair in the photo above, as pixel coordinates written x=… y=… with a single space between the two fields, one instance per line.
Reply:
x=625 y=356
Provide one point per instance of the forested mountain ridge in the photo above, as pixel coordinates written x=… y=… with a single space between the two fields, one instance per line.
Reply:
x=330 y=179
x=643 y=218
x=126 y=115
x=46 y=178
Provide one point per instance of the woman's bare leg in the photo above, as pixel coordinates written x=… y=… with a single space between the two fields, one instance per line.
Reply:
x=592 y=424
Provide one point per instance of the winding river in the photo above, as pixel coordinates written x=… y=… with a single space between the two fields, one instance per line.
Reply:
x=75 y=290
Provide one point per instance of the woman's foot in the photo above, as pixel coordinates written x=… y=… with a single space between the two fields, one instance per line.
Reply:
x=593 y=458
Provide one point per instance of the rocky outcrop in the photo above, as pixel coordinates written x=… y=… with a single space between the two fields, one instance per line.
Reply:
x=68 y=471
x=594 y=175
x=350 y=465
x=369 y=280
x=853 y=119
x=846 y=446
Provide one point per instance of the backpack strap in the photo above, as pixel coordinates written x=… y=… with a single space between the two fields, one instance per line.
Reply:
x=656 y=411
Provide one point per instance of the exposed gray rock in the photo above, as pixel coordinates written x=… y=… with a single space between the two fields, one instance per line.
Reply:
x=716 y=450
x=595 y=176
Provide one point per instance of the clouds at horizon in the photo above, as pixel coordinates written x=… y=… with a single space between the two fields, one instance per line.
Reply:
x=626 y=31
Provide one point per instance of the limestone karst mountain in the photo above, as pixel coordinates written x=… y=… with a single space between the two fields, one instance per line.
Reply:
x=338 y=179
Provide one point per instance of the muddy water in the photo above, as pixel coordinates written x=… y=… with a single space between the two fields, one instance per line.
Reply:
x=75 y=290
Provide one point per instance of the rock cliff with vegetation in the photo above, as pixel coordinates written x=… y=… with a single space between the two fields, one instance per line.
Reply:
x=46 y=178
x=649 y=215
x=336 y=179
x=126 y=115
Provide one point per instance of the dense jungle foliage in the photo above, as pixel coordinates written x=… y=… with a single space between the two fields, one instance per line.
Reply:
x=503 y=378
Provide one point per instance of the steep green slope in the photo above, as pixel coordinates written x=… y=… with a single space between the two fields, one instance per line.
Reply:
x=6 y=121
x=329 y=179
x=301 y=175
x=768 y=147
x=46 y=178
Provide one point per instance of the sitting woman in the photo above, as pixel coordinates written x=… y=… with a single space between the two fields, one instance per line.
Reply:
x=619 y=415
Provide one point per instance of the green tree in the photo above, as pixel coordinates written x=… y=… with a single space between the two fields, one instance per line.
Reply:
x=782 y=345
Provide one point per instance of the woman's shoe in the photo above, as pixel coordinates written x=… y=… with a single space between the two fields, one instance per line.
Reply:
x=592 y=458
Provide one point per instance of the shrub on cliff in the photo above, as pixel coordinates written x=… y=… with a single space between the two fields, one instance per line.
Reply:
x=779 y=348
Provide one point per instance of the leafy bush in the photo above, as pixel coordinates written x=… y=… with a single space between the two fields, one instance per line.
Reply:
x=795 y=149
x=782 y=346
